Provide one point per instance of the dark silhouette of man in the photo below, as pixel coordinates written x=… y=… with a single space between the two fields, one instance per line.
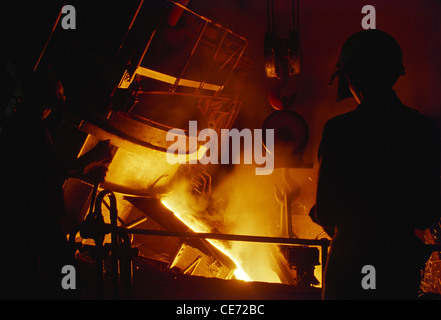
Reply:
x=379 y=178
x=33 y=246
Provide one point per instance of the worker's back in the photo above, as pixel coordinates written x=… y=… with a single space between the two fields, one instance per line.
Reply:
x=379 y=181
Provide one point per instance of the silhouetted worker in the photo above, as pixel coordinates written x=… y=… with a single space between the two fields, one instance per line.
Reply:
x=33 y=247
x=379 y=178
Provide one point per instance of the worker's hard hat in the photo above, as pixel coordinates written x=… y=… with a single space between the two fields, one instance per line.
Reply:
x=372 y=55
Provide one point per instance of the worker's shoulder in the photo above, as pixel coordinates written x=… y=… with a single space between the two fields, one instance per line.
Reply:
x=398 y=112
x=414 y=115
x=413 y=121
x=340 y=121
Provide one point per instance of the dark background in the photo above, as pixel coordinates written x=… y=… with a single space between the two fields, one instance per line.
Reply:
x=324 y=26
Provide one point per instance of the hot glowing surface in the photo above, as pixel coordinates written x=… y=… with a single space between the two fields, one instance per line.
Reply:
x=250 y=267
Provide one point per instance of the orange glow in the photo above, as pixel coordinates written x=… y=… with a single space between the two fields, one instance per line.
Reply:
x=185 y=216
x=254 y=267
x=130 y=171
x=126 y=80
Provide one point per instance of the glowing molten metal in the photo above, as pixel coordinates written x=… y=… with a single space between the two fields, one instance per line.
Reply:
x=178 y=204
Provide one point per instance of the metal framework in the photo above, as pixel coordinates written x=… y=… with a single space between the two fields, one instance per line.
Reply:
x=94 y=227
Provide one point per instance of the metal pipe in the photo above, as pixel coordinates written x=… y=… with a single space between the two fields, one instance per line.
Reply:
x=135 y=223
x=229 y=237
x=206 y=19
x=212 y=60
x=176 y=84
x=50 y=37
x=113 y=212
x=323 y=243
x=125 y=263
x=130 y=26
x=99 y=268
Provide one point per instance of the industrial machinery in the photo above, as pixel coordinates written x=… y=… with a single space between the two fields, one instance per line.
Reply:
x=161 y=66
